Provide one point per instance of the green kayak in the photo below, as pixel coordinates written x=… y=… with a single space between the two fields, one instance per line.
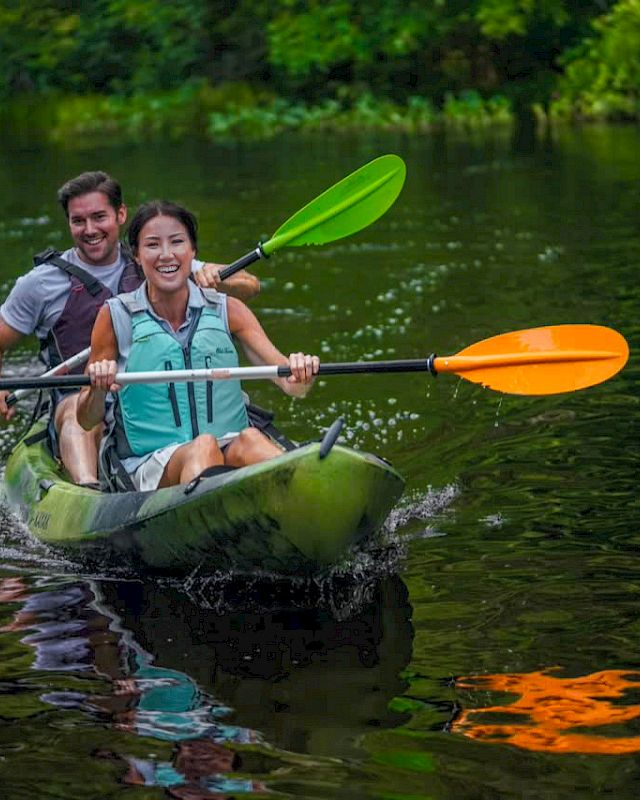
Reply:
x=296 y=514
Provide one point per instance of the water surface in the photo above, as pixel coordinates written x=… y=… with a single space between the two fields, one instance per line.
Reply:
x=494 y=654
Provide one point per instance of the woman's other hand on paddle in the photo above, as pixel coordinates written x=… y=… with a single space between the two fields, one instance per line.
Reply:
x=103 y=375
x=9 y=337
x=304 y=369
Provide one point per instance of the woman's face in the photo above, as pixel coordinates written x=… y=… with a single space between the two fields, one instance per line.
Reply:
x=165 y=253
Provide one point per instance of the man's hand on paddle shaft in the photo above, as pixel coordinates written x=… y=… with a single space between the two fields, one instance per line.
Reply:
x=9 y=337
x=5 y=412
x=242 y=284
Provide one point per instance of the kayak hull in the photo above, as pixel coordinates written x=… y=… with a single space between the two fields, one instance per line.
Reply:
x=297 y=514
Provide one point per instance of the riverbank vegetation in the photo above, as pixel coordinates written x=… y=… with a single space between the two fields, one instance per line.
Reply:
x=137 y=69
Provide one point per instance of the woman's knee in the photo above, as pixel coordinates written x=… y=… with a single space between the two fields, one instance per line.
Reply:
x=252 y=437
x=255 y=446
x=206 y=446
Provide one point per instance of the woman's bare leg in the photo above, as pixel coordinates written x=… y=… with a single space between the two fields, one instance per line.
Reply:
x=250 y=447
x=191 y=459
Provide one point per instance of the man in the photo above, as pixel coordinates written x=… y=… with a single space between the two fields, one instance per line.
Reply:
x=59 y=299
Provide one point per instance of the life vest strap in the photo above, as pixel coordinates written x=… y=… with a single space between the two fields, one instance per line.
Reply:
x=51 y=256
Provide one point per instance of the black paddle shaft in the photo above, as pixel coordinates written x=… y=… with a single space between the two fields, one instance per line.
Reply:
x=45 y=382
x=355 y=367
x=241 y=263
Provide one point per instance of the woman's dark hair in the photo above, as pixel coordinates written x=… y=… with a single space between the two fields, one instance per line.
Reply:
x=90 y=182
x=161 y=208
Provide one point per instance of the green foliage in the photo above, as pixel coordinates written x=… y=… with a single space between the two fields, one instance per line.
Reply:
x=602 y=77
x=237 y=110
x=367 y=112
x=469 y=110
x=131 y=46
x=172 y=115
x=168 y=57
x=499 y=19
x=261 y=122
x=35 y=40
x=319 y=36
x=98 y=45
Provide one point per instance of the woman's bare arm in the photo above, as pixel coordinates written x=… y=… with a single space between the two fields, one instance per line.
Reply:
x=102 y=368
x=260 y=350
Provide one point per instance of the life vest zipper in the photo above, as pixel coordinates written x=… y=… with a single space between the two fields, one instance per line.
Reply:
x=173 y=398
x=191 y=392
x=209 y=385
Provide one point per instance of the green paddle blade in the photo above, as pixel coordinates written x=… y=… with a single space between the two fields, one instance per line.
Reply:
x=352 y=204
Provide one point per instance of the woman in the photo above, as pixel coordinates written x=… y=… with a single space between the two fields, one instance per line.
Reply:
x=166 y=434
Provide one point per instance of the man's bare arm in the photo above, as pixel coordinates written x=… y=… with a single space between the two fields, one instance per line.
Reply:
x=9 y=337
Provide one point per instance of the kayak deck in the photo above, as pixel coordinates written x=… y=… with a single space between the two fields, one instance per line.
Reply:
x=295 y=514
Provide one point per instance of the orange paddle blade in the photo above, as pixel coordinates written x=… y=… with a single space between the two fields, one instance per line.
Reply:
x=559 y=358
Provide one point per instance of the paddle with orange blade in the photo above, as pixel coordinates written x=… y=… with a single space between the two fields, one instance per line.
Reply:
x=536 y=361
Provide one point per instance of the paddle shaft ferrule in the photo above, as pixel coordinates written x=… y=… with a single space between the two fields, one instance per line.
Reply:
x=244 y=261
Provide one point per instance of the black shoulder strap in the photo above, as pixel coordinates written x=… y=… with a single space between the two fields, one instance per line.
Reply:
x=262 y=419
x=51 y=256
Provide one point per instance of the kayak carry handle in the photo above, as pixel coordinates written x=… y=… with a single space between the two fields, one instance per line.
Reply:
x=330 y=437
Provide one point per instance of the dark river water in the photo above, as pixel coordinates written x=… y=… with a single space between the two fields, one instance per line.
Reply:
x=494 y=650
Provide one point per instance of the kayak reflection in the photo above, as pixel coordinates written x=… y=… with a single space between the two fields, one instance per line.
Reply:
x=155 y=665
x=72 y=631
x=309 y=682
x=549 y=711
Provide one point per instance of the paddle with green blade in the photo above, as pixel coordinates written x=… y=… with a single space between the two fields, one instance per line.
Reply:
x=347 y=207
x=535 y=361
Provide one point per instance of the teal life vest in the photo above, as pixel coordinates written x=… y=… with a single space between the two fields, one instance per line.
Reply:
x=151 y=416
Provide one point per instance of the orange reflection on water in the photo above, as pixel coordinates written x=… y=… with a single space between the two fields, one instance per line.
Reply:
x=549 y=709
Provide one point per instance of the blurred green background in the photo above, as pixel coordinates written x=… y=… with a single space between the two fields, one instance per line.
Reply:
x=147 y=68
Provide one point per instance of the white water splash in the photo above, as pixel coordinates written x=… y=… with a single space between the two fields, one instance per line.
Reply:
x=422 y=507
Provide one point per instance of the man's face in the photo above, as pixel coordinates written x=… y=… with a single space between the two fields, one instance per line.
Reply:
x=95 y=227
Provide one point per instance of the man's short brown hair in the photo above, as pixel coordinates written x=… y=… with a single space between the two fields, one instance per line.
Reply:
x=90 y=182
